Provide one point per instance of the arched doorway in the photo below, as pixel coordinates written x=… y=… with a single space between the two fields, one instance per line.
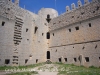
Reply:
x=80 y=59
x=48 y=54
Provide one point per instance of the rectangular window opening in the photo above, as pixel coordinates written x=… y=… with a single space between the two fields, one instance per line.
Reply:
x=3 y=23
x=26 y=29
x=87 y=59
x=99 y=58
x=75 y=59
x=35 y=30
x=77 y=28
x=65 y=59
x=7 y=61
x=53 y=34
x=59 y=59
x=36 y=60
x=69 y=30
x=26 y=60
x=42 y=34
x=89 y=24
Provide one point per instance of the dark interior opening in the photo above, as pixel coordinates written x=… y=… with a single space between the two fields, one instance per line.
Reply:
x=53 y=34
x=7 y=61
x=48 y=54
x=77 y=28
x=36 y=60
x=60 y=60
x=89 y=24
x=26 y=60
x=3 y=23
x=65 y=59
x=48 y=35
x=75 y=59
x=48 y=18
x=87 y=59
x=69 y=30
x=26 y=29
x=35 y=30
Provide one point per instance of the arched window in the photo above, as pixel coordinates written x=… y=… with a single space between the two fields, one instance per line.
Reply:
x=48 y=35
x=48 y=16
x=48 y=54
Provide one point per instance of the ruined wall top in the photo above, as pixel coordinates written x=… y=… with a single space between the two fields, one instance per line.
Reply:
x=89 y=10
x=10 y=10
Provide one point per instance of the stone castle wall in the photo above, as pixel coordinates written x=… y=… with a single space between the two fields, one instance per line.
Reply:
x=16 y=40
x=79 y=14
x=76 y=40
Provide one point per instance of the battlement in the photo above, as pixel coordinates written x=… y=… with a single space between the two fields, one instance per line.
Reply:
x=89 y=10
x=79 y=4
x=9 y=9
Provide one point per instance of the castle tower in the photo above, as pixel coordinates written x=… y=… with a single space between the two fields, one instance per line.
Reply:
x=67 y=8
x=79 y=3
x=73 y=6
x=16 y=2
x=86 y=1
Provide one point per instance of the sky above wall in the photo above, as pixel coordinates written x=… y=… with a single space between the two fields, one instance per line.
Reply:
x=36 y=5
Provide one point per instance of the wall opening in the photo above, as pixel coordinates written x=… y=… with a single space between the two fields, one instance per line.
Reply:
x=42 y=34
x=26 y=29
x=48 y=18
x=53 y=34
x=35 y=30
x=83 y=47
x=69 y=30
x=77 y=28
x=95 y=46
x=75 y=60
x=99 y=58
x=48 y=54
x=7 y=61
x=65 y=59
x=48 y=35
x=87 y=59
x=60 y=60
x=3 y=23
x=80 y=59
x=26 y=60
x=36 y=60
x=89 y=24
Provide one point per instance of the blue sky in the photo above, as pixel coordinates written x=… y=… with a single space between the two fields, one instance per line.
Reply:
x=36 y=5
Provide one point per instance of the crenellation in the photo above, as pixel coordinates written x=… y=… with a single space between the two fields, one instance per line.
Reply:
x=67 y=9
x=79 y=14
x=73 y=6
x=79 y=3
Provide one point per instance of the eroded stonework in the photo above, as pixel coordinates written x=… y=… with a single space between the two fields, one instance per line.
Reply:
x=72 y=38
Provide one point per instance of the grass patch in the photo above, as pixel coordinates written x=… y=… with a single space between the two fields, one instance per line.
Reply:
x=20 y=67
x=24 y=73
x=66 y=69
